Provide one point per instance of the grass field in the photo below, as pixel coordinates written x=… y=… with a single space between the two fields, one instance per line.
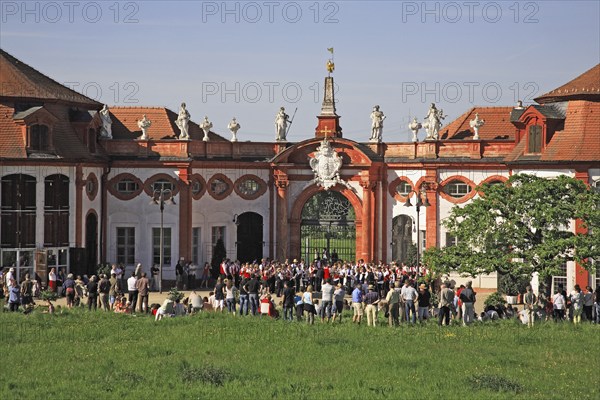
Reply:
x=99 y=355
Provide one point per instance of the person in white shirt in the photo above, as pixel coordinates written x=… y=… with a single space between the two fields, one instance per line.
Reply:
x=558 y=301
x=133 y=290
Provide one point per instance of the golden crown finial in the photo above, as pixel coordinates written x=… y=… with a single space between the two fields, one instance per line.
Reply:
x=330 y=63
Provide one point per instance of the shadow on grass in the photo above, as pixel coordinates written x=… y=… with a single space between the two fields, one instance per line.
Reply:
x=495 y=383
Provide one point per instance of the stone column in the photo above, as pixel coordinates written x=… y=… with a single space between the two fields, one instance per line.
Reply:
x=368 y=217
x=582 y=276
x=185 y=214
x=432 y=212
x=282 y=233
x=79 y=188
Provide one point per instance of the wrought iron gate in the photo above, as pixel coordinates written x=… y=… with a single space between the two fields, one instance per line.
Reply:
x=328 y=228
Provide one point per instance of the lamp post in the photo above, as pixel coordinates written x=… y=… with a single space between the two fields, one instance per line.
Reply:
x=161 y=197
x=420 y=203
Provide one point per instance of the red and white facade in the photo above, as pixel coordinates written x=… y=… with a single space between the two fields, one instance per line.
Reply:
x=49 y=136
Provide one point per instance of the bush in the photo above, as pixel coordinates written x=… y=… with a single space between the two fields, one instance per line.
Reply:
x=511 y=285
x=495 y=300
x=48 y=295
x=175 y=294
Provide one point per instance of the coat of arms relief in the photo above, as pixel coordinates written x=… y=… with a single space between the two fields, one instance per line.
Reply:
x=326 y=165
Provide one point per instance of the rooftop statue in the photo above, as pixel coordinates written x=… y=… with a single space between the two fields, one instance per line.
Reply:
x=377 y=118
x=233 y=126
x=106 y=129
x=281 y=124
x=182 y=122
x=144 y=124
x=433 y=122
x=206 y=126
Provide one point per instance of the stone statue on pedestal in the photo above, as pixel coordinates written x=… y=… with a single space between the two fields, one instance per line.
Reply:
x=377 y=119
x=234 y=126
x=476 y=124
x=106 y=129
x=433 y=122
x=206 y=126
x=414 y=127
x=182 y=122
x=144 y=124
x=281 y=124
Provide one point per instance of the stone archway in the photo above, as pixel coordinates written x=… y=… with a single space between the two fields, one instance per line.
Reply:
x=402 y=230
x=327 y=231
x=296 y=217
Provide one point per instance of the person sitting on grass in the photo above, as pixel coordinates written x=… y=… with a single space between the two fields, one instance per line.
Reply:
x=120 y=306
x=273 y=313
x=179 y=309
x=195 y=302
x=50 y=307
x=166 y=310
x=207 y=305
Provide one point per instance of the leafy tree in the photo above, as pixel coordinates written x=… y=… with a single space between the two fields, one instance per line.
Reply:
x=219 y=253
x=522 y=227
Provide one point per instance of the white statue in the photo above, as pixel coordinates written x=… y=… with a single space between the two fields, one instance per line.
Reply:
x=476 y=124
x=144 y=124
x=206 y=126
x=234 y=126
x=433 y=122
x=377 y=125
x=281 y=124
x=182 y=122
x=106 y=130
x=414 y=127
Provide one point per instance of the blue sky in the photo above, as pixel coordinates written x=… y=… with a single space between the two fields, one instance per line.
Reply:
x=246 y=59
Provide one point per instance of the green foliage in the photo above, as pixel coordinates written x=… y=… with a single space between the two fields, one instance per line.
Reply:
x=219 y=254
x=512 y=285
x=411 y=254
x=48 y=295
x=175 y=294
x=103 y=268
x=495 y=299
x=524 y=226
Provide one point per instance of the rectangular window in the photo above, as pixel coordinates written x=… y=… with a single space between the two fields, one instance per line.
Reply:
x=166 y=246
x=451 y=240
x=535 y=139
x=126 y=246
x=423 y=240
x=218 y=232
x=597 y=276
x=560 y=279
x=196 y=249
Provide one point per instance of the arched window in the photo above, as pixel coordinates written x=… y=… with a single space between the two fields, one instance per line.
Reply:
x=457 y=189
x=404 y=188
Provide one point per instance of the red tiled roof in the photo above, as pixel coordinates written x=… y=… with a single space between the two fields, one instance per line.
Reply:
x=585 y=87
x=11 y=137
x=19 y=80
x=497 y=125
x=125 y=124
x=580 y=140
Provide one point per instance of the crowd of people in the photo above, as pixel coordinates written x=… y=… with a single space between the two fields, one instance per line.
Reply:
x=307 y=292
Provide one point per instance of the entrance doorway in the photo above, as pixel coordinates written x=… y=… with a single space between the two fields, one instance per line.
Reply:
x=91 y=241
x=249 y=240
x=328 y=228
x=402 y=227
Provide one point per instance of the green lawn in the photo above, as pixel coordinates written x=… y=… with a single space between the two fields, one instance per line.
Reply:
x=106 y=356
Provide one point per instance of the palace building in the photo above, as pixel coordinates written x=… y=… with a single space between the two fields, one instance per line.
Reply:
x=84 y=184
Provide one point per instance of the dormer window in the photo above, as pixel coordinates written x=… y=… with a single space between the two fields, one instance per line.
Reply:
x=535 y=139
x=39 y=138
